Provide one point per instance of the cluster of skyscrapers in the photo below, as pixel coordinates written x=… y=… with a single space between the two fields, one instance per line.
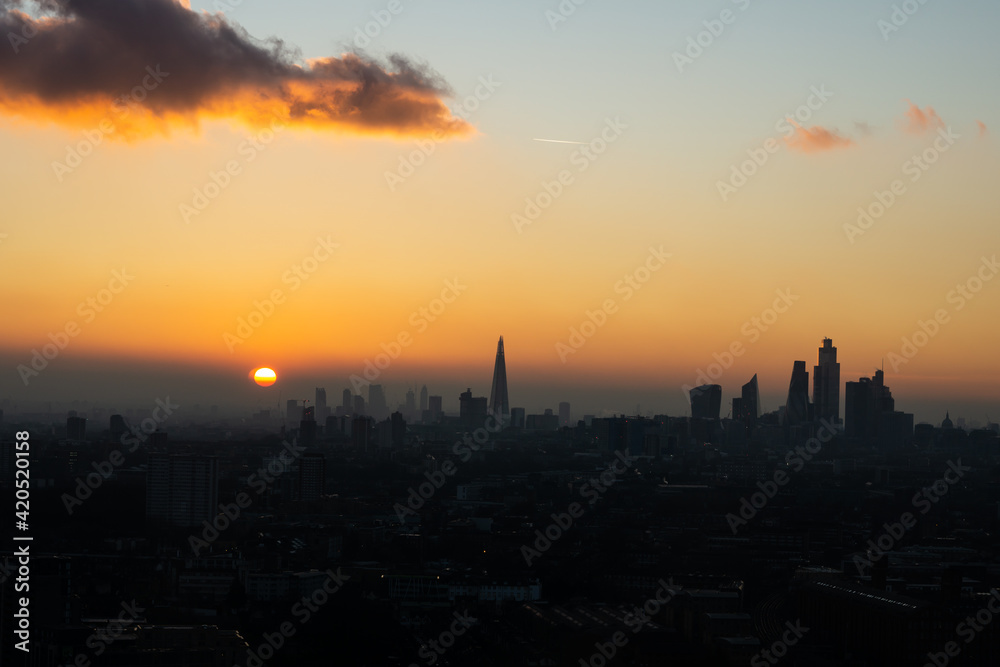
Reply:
x=869 y=407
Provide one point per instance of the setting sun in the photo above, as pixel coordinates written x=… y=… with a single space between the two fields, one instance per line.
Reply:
x=265 y=377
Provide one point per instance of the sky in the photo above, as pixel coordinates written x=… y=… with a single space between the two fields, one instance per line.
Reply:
x=720 y=183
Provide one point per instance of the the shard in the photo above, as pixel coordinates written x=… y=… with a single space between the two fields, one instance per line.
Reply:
x=499 y=404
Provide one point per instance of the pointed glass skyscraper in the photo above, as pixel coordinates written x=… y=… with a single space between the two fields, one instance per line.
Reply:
x=499 y=405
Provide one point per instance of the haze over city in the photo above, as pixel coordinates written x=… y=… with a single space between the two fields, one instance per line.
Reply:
x=678 y=129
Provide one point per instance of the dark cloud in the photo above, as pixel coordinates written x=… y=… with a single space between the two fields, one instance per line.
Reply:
x=68 y=56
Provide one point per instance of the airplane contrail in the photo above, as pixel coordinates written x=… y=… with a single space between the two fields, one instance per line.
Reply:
x=559 y=141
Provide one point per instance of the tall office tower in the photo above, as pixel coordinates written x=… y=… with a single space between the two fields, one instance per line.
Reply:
x=797 y=404
x=411 y=404
x=517 y=417
x=320 y=404
x=312 y=476
x=376 y=402
x=826 y=383
x=472 y=410
x=857 y=408
x=423 y=398
x=564 y=414
x=359 y=405
x=434 y=407
x=750 y=402
x=307 y=427
x=348 y=401
x=706 y=401
x=76 y=427
x=465 y=405
x=499 y=404
x=870 y=411
x=182 y=489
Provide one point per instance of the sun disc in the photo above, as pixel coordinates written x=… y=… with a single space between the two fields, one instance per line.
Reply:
x=265 y=377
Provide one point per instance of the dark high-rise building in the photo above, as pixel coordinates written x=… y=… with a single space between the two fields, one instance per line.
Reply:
x=749 y=403
x=517 y=417
x=182 y=489
x=858 y=406
x=797 y=404
x=76 y=427
x=826 y=383
x=499 y=405
x=870 y=413
x=423 y=398
x=434 y=404
x=564 y=414
x=312 y=475
x=411 y=404
x=359 y=405
x=361 y=433
x=348 y=401
x=320 y=403
x=706 y=401
x=472 y=409
x=307 y=427
x=465 y=404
